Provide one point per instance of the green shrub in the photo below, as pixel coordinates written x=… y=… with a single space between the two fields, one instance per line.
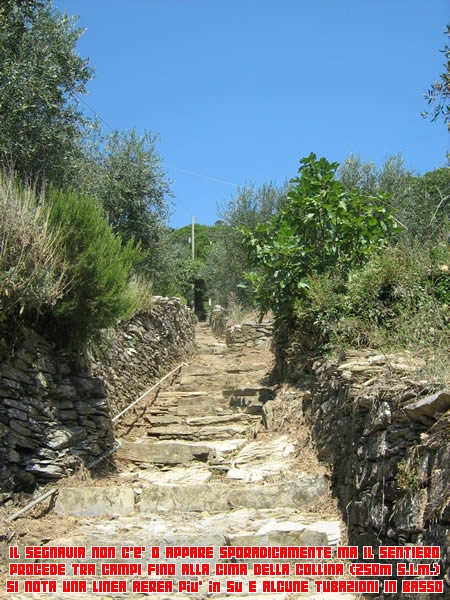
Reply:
x=399 y=299
x=99 y=267
x=390 y=284
x=31 y=269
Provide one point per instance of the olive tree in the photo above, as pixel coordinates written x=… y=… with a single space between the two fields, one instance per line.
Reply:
x=41 y=78
x=439 y=92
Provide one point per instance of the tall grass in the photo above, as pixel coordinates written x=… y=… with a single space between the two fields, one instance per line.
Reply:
x=32 y=272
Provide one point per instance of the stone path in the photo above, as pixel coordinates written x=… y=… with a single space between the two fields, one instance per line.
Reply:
x=200 y=470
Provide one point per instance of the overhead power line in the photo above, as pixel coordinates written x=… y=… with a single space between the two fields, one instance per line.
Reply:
x=193 y=173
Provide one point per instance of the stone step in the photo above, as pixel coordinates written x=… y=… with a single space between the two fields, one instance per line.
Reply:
x=244 y=527
x=189 y=403
x=216 y=377
x=229 y=417
x=177 y=452
x=194 y=418
x=96 y=501
x=241 y=527
x=205 y=347
x=193 y=498
x=249 y=399
x=220 y=497
x=196 y=473
x=261 y=459
x=194 y=433
x=201 y=432
x=164 y=453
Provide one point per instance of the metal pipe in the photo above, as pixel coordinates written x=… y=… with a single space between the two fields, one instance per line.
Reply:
x=100 y=458
x=148 y=391
x=31 y=504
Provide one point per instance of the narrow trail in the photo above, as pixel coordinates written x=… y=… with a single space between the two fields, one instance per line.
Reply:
x=198 y=468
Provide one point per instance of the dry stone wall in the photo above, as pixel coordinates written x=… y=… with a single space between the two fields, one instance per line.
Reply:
x=140 y=351
x=53 y=415
x=218 y=320
x=248 y=333
x=56 y=408
x=386 y=437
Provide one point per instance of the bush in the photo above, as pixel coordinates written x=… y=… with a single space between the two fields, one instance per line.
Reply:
x=391 y=283
x=32 y=274
x=399 y=299
x=99 y=267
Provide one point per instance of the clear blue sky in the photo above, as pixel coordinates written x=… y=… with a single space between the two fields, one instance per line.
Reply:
x=240 y=90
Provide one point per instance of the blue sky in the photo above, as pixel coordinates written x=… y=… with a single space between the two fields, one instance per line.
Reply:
x=239 y=90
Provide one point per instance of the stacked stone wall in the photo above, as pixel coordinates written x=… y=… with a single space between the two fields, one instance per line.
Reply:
x=56 y=408
x=218 y=320
x=249 y=334
x=140 y=351
x=386 y=437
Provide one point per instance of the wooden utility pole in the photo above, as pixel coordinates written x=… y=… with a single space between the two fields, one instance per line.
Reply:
x=193 y=258
x=193 y=239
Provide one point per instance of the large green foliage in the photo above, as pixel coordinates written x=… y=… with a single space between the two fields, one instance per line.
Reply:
x=393 y=177
x=40 y=77
x=323 y=226
x=132 y=186
x=98 y=267
x=399 y=299
x=204 y=236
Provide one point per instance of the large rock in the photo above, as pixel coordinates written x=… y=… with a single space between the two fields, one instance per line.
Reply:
x=429 y=409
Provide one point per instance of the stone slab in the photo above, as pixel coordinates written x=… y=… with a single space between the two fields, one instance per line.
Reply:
x=198 y=432
x=196 y=474
x=189 y=498
x=197 y=405
x=429 y=409
x=95 y=501
x=222 y=419
x=258 y=460
x=301 y=537
x=219 y=497
x=167 y=453
x=299 y=493
x=220 y=447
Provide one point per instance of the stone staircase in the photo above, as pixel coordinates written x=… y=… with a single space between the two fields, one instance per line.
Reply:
x=200 y=470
